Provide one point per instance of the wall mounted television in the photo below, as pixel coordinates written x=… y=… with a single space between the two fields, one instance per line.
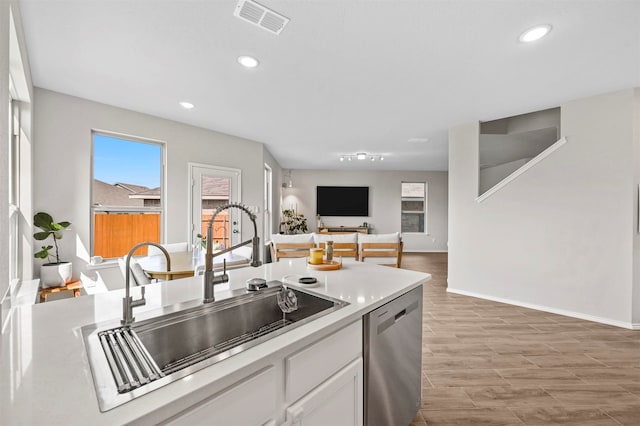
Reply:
x=342 y=200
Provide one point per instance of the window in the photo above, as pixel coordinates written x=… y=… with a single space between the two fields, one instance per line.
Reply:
x=414 y=206
x=127 y=194
x=268 y=202
x=14 y=177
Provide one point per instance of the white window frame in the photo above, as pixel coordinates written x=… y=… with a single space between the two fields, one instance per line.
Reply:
x=115 y=209
x=235 y=196
x=268 y=203
x=423 y=212
x=14 y=184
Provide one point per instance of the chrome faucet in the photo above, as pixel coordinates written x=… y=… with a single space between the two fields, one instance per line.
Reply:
x=127 y=302
x=210 y=280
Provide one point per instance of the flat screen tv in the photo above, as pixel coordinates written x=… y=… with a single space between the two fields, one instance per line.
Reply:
x=342 y=200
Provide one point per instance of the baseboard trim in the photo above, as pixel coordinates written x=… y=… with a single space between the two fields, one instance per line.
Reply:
x=566 y=313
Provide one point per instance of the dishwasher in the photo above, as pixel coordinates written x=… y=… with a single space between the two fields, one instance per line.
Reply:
x=393 y=361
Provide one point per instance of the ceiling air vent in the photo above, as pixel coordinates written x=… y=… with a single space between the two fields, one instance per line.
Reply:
x=261 y=16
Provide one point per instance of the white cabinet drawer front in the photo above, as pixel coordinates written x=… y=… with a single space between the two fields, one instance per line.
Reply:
x=336 y=402
x=311 y=366
x=249 y=403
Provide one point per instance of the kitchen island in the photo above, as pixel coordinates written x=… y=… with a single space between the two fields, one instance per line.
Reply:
x=46 y=378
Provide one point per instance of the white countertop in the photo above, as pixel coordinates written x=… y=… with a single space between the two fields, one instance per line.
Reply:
x=45 y=376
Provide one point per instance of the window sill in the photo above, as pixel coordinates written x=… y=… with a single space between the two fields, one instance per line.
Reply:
x=107 y=264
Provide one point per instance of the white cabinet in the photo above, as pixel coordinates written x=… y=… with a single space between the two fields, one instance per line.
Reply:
x=312 y=365
x=318 y=384
x=252 y=402
x=323 y=383
x=336 y=402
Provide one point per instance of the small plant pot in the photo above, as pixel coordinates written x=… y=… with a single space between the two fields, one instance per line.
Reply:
x=55 y=274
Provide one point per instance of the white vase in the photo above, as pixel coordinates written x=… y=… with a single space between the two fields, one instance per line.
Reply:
x=55 y=274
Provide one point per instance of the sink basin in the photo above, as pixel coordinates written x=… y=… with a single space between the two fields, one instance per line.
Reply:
x=127 y=362
x=210 y=331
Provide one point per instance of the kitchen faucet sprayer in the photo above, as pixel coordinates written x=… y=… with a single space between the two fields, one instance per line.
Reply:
x=210 y=280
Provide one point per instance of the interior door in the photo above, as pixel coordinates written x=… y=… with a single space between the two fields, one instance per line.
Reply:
x=212 y=187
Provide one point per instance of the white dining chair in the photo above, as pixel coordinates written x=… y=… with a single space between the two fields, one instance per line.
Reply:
x=171 y=248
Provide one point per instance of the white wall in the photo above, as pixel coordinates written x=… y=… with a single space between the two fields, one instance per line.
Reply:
x=490 y=176
x=276 y=181
x=4 y=173
x=14 y=61
x=636 y=238
x=62 y=178
x=384 y=202
x=560 y=236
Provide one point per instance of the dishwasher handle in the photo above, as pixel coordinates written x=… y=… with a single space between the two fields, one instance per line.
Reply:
x=394 y=318
x=400 y=315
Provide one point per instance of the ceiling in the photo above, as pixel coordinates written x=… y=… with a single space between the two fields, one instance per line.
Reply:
x=344 y=76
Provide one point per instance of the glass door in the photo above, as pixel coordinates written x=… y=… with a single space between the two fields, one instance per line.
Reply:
x=213 y=187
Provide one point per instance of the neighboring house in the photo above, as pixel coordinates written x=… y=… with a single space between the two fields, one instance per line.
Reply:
x=149 y=197
x=215 y=193
x=124 y=195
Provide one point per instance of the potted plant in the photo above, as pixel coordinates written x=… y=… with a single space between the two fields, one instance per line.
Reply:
x=293 y=223
x=54 y=273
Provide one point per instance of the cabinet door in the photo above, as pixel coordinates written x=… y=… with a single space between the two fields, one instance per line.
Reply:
x=251 y=402
x=314 y=364
x=336 y=402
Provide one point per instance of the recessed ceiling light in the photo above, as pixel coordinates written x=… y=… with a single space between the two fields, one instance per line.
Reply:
x=248 y=61
x=186 y=105
x=535 y=33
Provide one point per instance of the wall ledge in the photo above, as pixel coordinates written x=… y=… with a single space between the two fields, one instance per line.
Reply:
x=529 y=164
x=107 y=264
x=572 y=314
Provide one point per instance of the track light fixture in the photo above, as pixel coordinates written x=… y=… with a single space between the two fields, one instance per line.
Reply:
x=361 y=156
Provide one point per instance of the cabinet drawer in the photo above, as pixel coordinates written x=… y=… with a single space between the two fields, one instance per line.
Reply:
x=314 y=364
x=250 y=402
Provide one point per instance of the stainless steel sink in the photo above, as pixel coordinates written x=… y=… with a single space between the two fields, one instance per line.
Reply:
x=129 y=361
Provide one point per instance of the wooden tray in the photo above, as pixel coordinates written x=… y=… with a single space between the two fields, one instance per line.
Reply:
x=334 y=265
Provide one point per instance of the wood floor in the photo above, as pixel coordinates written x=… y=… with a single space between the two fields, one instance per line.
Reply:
x=487 y=363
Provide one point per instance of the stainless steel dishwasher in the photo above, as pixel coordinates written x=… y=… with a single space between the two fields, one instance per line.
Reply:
x=393 y=361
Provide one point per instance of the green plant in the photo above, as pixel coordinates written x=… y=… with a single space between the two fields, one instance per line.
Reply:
x=203 y=242
x=49 y=228
x=293 y=222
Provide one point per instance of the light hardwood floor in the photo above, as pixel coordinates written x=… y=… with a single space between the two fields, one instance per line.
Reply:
x=488 y=363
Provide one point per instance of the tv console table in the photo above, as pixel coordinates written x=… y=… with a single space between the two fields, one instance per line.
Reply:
x=343 y=229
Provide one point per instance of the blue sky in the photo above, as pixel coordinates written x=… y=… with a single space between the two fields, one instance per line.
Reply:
x=119 y=160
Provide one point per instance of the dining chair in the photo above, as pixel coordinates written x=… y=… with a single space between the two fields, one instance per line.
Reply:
x=171 y=248
x=290 y=246
x=345 y=245
x=290 y=250
x=348 y=250
x=383 y=249
x=137 y=273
